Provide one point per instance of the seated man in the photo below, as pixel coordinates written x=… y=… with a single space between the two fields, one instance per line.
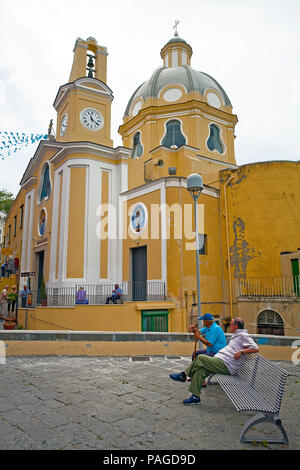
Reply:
x=212 y=336
x=116 y=295
x=227 y=361
x=81 y=296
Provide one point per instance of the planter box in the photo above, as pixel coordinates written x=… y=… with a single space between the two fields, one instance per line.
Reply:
x=9 y=326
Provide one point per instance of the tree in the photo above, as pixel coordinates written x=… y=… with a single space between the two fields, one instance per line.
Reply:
x=6 y=200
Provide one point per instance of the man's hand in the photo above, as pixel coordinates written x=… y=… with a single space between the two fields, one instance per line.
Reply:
x=245 y=351
x=238 y=355
x=193 y=327
x=197 y=334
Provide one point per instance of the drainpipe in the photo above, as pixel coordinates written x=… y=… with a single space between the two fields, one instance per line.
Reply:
x=227 y=240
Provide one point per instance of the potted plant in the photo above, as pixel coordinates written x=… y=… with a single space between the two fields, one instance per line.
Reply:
x=43 y=294
x=9 y=325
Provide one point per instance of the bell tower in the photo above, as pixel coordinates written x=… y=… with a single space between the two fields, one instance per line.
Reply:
x=90 y=60
x=83 y=105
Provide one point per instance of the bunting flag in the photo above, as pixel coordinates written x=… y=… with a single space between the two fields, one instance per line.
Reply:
x=11 y=142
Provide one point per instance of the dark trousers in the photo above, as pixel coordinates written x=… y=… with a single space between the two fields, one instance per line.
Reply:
x=12 y=304
x=113 y=298
x=203 y=351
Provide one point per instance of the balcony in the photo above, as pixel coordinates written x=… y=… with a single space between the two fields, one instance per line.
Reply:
x=259 y=288
x=97 y=294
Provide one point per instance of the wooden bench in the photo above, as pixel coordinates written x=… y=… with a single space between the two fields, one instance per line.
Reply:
x=257 y=386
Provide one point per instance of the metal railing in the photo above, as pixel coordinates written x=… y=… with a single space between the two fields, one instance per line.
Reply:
x=269 y=287
x=99 y=294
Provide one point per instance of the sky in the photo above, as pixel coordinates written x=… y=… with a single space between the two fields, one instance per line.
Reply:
x=251 y=47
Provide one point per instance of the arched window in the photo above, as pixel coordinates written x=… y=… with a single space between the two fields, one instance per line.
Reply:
x=270 y=322
x=137 y=146
x=45 y=184
x=173 y=137
x=214 y=142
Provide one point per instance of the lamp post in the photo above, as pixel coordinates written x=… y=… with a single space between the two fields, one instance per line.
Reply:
x=195 y=188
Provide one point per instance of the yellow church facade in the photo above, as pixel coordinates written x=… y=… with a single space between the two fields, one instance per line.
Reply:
x=94 y=216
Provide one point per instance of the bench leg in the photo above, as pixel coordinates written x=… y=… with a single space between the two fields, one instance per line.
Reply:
x=259 y=418
x=209 y=382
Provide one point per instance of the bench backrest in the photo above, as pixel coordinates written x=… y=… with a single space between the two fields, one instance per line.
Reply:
x=265 y=377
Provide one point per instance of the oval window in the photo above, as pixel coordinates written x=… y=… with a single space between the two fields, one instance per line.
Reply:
x=173 y=94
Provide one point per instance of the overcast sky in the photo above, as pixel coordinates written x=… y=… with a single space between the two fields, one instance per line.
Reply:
x=251 y=47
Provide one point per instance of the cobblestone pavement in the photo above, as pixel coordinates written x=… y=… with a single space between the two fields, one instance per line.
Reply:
x=123 y=404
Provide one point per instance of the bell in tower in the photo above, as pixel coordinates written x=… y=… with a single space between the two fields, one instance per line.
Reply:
x=85 y=114
x=89 y=60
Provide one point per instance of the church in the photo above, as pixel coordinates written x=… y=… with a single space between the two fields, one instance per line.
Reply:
x=90 y=216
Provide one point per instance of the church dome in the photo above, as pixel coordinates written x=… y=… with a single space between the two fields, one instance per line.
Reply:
x=175 y=71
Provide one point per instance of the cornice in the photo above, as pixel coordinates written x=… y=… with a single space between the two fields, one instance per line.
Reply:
x=169 y=182
x=70 y=148
x=192 y=107
x=33 y=164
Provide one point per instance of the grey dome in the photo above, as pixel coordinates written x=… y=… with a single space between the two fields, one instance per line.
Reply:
x=184 y=75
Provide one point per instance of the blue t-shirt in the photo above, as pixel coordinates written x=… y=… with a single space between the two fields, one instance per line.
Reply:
x=215 y=335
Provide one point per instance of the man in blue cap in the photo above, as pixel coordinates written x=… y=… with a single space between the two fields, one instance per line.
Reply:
x=211 y=335
x=227 y=361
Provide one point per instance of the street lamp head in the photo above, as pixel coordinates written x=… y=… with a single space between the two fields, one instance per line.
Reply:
x=194 y=185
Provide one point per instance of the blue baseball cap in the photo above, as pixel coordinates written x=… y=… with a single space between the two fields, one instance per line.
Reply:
x=207 y=316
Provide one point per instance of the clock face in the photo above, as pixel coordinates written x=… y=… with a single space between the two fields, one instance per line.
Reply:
x=91 y=119
x=63 y=124
x=138 y=218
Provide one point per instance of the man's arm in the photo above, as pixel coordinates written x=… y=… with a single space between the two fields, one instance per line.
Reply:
x=245 y=351
x=201 y=338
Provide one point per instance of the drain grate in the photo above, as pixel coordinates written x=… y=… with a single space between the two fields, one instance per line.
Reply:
x=140 y=358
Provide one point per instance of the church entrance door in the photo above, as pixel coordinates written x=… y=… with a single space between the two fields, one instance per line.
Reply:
x=40 y=274
x=139 y=273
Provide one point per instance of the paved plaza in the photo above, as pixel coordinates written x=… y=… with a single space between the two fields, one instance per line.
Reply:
x=124 y=403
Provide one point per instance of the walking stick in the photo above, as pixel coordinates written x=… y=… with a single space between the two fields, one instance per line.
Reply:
x=195 y=346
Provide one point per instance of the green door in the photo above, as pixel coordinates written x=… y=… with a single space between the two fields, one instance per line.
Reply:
x=155 y=320
x=295 y=270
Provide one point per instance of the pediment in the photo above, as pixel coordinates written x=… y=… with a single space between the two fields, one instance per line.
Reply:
x=92 y=85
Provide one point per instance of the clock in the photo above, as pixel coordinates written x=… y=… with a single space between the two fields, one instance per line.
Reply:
x=91 y=119
x=63 y=124
x=138 y=218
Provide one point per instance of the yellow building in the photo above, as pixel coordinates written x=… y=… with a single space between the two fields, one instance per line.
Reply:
x=94 y=215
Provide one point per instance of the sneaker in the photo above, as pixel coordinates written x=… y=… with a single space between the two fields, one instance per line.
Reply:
x=193 y=400
x=180 y=377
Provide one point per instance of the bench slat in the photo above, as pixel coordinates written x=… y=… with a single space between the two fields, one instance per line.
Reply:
x=266 y=378
x=242 y=395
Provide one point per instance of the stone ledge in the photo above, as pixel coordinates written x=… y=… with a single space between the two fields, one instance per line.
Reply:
x=114 y=336
x=126 y=336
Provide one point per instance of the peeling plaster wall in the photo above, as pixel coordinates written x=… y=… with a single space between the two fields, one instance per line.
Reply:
x=240 y=251
x=263 y=212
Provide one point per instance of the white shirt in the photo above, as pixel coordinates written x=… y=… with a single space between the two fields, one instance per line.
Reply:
x=239 y=340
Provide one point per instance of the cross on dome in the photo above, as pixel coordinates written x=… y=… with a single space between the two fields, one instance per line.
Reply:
x=175 y=27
